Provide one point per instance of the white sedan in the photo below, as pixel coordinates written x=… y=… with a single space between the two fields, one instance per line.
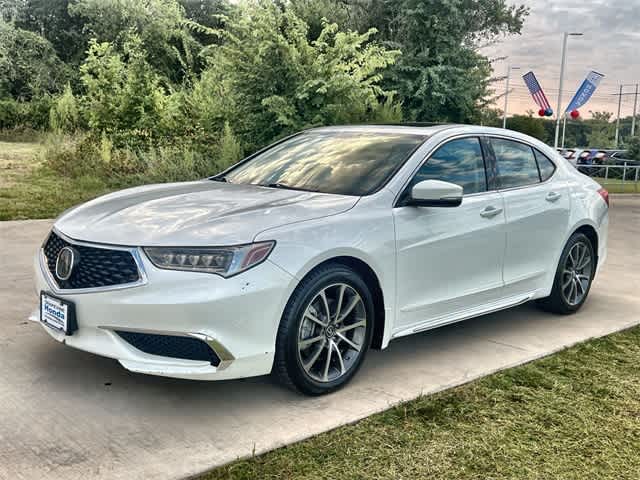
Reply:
x=301 y=257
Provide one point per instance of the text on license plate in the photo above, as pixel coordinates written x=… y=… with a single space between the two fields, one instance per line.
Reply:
x=54 y=313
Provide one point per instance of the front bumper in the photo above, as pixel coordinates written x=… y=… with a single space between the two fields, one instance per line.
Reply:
x=237 y=317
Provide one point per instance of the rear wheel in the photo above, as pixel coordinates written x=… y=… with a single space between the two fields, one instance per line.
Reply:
x=325 y=331
x=573 y=277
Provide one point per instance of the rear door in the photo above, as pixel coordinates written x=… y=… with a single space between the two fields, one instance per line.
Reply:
x=537 y=215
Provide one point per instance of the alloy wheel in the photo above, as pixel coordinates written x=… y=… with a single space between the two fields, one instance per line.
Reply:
x=332 y=333
x=576 y=274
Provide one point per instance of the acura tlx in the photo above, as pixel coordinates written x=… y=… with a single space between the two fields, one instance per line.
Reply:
x=301 y=257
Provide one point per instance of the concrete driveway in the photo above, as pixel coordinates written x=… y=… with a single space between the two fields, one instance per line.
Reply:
x=69 y=414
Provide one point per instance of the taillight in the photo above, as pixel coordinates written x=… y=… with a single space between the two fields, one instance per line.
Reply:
x=605 y=195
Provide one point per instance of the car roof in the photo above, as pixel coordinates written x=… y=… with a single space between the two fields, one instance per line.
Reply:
x=428 y=130
x=425 y=129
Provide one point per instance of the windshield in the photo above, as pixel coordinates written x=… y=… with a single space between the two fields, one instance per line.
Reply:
x=346 y=163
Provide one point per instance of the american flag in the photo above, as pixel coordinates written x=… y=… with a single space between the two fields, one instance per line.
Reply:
x=536 y=90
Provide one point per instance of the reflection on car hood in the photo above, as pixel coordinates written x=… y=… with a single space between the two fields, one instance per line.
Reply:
x=194 y=213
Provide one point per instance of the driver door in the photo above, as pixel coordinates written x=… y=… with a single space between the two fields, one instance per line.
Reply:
x=449 y=259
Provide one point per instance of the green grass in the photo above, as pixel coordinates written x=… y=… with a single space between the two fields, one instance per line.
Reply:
x=615 y=185
x=574 y=415
x=30 y=190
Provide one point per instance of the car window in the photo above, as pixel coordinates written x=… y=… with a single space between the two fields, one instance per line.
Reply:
x=516 y=164
x=545 y=165
x=347 y=163
x=458 y=161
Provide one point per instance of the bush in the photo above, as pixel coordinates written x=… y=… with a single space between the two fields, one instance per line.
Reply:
x=633 y=148
x=64 y=115
x=72 y=156
x=21 y=134
x=31 y=115
x=230 y=149
x=122 y=93
x=37 y=113
x=87 y=155
x=10 y=114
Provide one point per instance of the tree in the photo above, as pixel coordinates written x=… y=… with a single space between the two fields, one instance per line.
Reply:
x=29 y=66
x=602 y=130
x=633 y=148
x=51 y=20
x=206 y=13
x=441 y=75
x=279 y=81
x=122 y=92
x=528 y=125
x=313 y=12
x=161 y=26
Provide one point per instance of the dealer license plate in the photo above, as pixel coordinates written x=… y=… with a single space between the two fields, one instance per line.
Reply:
x=56 y=313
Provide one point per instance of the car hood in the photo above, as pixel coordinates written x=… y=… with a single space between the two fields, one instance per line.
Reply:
x=194 y=213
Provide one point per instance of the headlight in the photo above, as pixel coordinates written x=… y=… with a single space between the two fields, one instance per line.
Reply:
x=225 y=261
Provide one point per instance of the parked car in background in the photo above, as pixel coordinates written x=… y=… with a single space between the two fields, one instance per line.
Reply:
x=571 y=155
x=301 y=257
x=618 y=154
x=620 y=158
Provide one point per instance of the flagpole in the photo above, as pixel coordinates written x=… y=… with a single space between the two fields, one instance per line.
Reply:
x=564 y=127
x=562 y=66
x=618 y=117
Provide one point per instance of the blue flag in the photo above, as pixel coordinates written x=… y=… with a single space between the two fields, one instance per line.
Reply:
x=585 y=91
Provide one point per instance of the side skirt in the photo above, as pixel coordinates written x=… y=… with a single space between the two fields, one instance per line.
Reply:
x=465 y=314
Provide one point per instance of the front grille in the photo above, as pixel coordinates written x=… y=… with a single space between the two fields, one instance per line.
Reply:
x=187 y=348
x=96 y=267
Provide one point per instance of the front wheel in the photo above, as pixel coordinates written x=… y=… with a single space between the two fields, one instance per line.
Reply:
x=573 y=278
x=325 y=331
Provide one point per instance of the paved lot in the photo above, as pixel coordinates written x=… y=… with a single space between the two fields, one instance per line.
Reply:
x=68 y=414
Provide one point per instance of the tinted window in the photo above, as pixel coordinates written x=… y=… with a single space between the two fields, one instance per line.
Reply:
x=516 y=163
x=348 y=163
x=545 y=166
x=460 y=162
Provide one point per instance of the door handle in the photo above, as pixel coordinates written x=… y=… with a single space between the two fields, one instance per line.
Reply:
x=490 y=212
x=552 y=196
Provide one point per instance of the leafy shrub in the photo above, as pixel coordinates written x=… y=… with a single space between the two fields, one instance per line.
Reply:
x=230 y=149
x=21 y=134
x=86 y=155
x=72 y=156
x=122 y=92
x=10 y=113
x=31 y=115
x=64 y=115
x=633 y=148
x=37 y=112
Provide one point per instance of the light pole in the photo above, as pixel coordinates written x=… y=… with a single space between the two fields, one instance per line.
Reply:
x=562 y=65
x=635 y=108
x=506 y=95
x=618 y=117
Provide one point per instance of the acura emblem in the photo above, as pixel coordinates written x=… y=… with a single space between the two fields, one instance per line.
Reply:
x=67 y=259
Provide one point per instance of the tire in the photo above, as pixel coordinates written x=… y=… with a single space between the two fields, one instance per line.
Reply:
x=568 y=273
x=303 y=367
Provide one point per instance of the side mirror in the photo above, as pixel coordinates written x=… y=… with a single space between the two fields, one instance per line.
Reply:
x=435 y=193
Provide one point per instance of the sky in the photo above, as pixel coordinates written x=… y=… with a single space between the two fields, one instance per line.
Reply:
x=610 y=45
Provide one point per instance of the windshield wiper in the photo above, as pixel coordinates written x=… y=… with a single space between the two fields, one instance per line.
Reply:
x=218 y=179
